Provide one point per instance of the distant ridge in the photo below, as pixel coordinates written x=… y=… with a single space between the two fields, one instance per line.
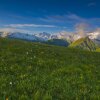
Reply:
x=58 y=42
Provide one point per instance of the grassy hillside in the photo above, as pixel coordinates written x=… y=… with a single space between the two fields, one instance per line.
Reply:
x=35 y=71
x=98 y=50
x=84 y=43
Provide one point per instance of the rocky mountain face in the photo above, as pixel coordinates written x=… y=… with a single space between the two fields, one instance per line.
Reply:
x=84 y=43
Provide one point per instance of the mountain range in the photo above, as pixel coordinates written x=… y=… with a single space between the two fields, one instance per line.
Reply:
x=89 y=42
x=39 y=36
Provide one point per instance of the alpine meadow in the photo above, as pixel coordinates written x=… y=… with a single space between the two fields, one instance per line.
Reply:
x=35 y=71
x=49 y=50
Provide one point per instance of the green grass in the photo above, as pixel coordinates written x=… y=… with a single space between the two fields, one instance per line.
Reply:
x=35 y=71
x=84 y=43
x=98 y=50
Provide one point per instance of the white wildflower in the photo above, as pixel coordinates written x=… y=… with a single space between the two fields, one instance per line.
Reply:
x=31 y=50
x=34 y=56
x=31 y=58
x=27 y=53
x=10 y=83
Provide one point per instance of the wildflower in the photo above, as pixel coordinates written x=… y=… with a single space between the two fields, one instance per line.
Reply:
x=31 y=50
x=10 y=83
x=34 y=56
x=27 y=53
x=31 y=58
x=42 y=52
x=6 y=98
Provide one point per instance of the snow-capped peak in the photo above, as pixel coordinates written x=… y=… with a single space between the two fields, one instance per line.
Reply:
x=47 y=36
x=4 y=34
x=94 y=35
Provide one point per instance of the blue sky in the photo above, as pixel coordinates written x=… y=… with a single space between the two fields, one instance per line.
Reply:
x=49 y=15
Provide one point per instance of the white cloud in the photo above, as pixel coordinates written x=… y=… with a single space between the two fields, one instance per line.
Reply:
x=6 y=29
x=28 y=25
x=69 y=19
x=81 y=28
x=14 y=30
